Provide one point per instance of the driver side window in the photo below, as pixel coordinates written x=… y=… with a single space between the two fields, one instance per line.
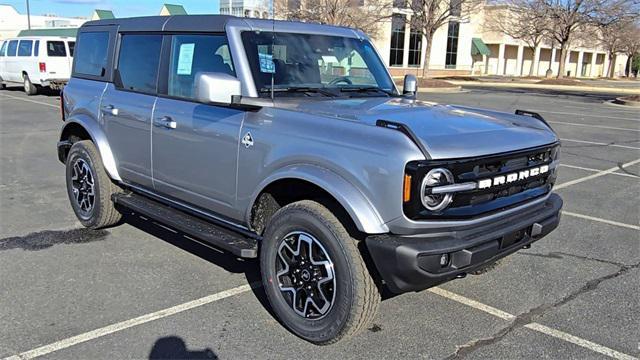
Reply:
x=193 y=54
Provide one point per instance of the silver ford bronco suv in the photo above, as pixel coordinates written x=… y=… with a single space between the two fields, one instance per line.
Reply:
x=289 y=142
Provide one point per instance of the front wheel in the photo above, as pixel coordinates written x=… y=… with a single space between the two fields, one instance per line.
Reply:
x=314 y=276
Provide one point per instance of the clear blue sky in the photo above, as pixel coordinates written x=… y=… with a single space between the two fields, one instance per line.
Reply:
x=121 y=8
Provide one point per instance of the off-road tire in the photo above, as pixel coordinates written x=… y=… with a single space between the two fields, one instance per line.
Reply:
x=103 y=212
x=356 y=297
x=29 y=88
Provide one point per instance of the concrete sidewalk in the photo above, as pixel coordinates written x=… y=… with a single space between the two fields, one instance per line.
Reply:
x=525 y=85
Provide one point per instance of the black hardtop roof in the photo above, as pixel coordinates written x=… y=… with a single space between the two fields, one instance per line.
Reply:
x=213 y=23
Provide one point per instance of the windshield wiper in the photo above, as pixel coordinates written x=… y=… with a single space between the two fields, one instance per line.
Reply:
x=299 y=89
x=363 y=89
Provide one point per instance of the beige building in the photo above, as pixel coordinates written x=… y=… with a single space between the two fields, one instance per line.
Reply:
x=466 y=47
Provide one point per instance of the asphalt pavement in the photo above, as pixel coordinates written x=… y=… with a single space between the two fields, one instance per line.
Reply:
x=141 y=290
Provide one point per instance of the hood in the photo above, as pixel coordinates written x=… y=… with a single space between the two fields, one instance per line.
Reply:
x=445 y=131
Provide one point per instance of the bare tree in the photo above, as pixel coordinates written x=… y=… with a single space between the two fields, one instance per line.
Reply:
x=566 y=17
x=521 y=20
x=612 y=38
x=427 y=16
x=361 y=14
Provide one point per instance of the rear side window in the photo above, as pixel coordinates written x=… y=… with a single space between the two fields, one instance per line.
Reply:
x=56 y=48
x=192 y=54
x=138 y=62
x=92 y=53
x=25 y=47
x=12 y=48
x=3 y=49
x=72 y=46
x=36 y=48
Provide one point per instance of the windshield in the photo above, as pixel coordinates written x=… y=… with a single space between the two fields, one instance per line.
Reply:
x=311 y=62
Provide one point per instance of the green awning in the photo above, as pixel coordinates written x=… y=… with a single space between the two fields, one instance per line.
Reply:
x=69 y=32
x=479 y=47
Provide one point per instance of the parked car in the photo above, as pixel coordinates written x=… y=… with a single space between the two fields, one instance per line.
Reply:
x=42 y=61
x=289 y=142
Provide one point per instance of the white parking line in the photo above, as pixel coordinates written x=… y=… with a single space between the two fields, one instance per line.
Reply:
x=593 y=176
x=534 y=326
x=110 y=329
x=597 y=170
x=593 y=126
x=605 y=221
x=31 y=101
x=583 y=114
x=602 y=144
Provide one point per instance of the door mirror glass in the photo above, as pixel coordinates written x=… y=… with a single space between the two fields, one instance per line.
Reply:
x=217 y=87
x=410 y=86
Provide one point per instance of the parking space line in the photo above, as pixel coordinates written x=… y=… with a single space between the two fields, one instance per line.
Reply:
x=123 y=325
x=29 y=100
x=596 y=175
x=605 y=221
x=533 y=326
x=602 y=144
x=582 y=114
x=597 y=170
x=593 y=126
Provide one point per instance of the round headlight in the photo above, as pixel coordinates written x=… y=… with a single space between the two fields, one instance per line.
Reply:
x=436 y=177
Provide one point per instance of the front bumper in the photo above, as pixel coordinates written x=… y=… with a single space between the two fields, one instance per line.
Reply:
x=412 y=263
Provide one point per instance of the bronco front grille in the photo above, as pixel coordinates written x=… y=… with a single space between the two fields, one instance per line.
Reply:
x=471 y=203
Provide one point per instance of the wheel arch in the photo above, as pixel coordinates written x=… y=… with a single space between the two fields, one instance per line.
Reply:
x=318 y=182
x=86 y=129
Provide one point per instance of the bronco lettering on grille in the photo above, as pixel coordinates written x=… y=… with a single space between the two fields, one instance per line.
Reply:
x=513 y=177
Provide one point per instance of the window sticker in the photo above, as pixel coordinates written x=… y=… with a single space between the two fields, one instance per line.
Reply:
x=185 y=59
x=266 y=63
x=329 y=59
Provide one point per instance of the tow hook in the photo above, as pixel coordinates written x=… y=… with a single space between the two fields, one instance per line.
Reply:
x=461 y=276
x=528 y=246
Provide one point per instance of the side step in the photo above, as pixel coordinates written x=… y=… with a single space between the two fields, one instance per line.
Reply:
x=217 y=236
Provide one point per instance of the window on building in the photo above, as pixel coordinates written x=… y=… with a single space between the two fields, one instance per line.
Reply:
x=398 y=23
x=193 y=54
x=455 y=7
x=92 y=55
x=12 y=48
x=451 y=57
x=400 y=4
x=56 y=48
x=247 y=13
x=25 y=47
x=293 y=5
x=415 y=47
x=138 y=62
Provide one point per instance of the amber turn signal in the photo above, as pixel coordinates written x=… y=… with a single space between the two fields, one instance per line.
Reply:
x=407 y=188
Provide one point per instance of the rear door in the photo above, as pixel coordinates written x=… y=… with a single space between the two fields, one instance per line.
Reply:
x=195 y=145
x=3 y=52
x=127 y=105
x=57 y=61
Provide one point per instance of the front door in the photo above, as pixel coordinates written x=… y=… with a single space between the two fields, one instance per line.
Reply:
x=127 y=106
x=195 y=145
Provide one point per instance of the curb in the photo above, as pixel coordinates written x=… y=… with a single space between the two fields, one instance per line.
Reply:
x=549 y=87
x=624 y=102
x=447 y=90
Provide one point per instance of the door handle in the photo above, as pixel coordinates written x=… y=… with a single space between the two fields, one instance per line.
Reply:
x=110 y=109
x=166 y=122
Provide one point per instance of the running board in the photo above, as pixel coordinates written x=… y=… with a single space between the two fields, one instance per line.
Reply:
x=214 y=235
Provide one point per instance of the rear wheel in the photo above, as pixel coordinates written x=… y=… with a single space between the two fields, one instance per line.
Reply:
x=89 y=187
x=314 y=276
x=29 y=88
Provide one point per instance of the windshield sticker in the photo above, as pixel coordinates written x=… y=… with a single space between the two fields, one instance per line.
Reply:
x=266 y=63
x=328 y=59
x=185 y=59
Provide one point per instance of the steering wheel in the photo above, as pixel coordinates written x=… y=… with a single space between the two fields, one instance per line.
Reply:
x=342 y=79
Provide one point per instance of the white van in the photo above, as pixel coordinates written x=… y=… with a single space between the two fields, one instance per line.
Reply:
x=38 y=61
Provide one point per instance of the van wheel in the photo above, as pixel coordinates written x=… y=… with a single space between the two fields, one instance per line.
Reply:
x=89 y=187
x=29 y=88
x=314 y=276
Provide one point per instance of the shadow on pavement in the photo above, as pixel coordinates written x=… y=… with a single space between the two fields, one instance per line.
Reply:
x=173 y=347
x=41 y=90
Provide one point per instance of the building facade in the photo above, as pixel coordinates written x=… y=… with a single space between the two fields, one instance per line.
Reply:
x=12 y=22
x=246 y=8
x=466 y=47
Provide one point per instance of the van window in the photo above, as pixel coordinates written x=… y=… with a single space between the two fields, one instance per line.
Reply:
x=138 y=62
x=56 y=48
x=3 y=49
x=92 y=54
x=25 y=47
x=12 y=48
x=36 y=48
x=192 y=54
x=72 y=46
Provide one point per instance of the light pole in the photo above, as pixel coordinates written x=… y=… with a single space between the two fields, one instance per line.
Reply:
x=28 y=16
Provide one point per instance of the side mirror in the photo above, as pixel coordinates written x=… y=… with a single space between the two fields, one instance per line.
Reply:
x=410 y=86
x=217 y=87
